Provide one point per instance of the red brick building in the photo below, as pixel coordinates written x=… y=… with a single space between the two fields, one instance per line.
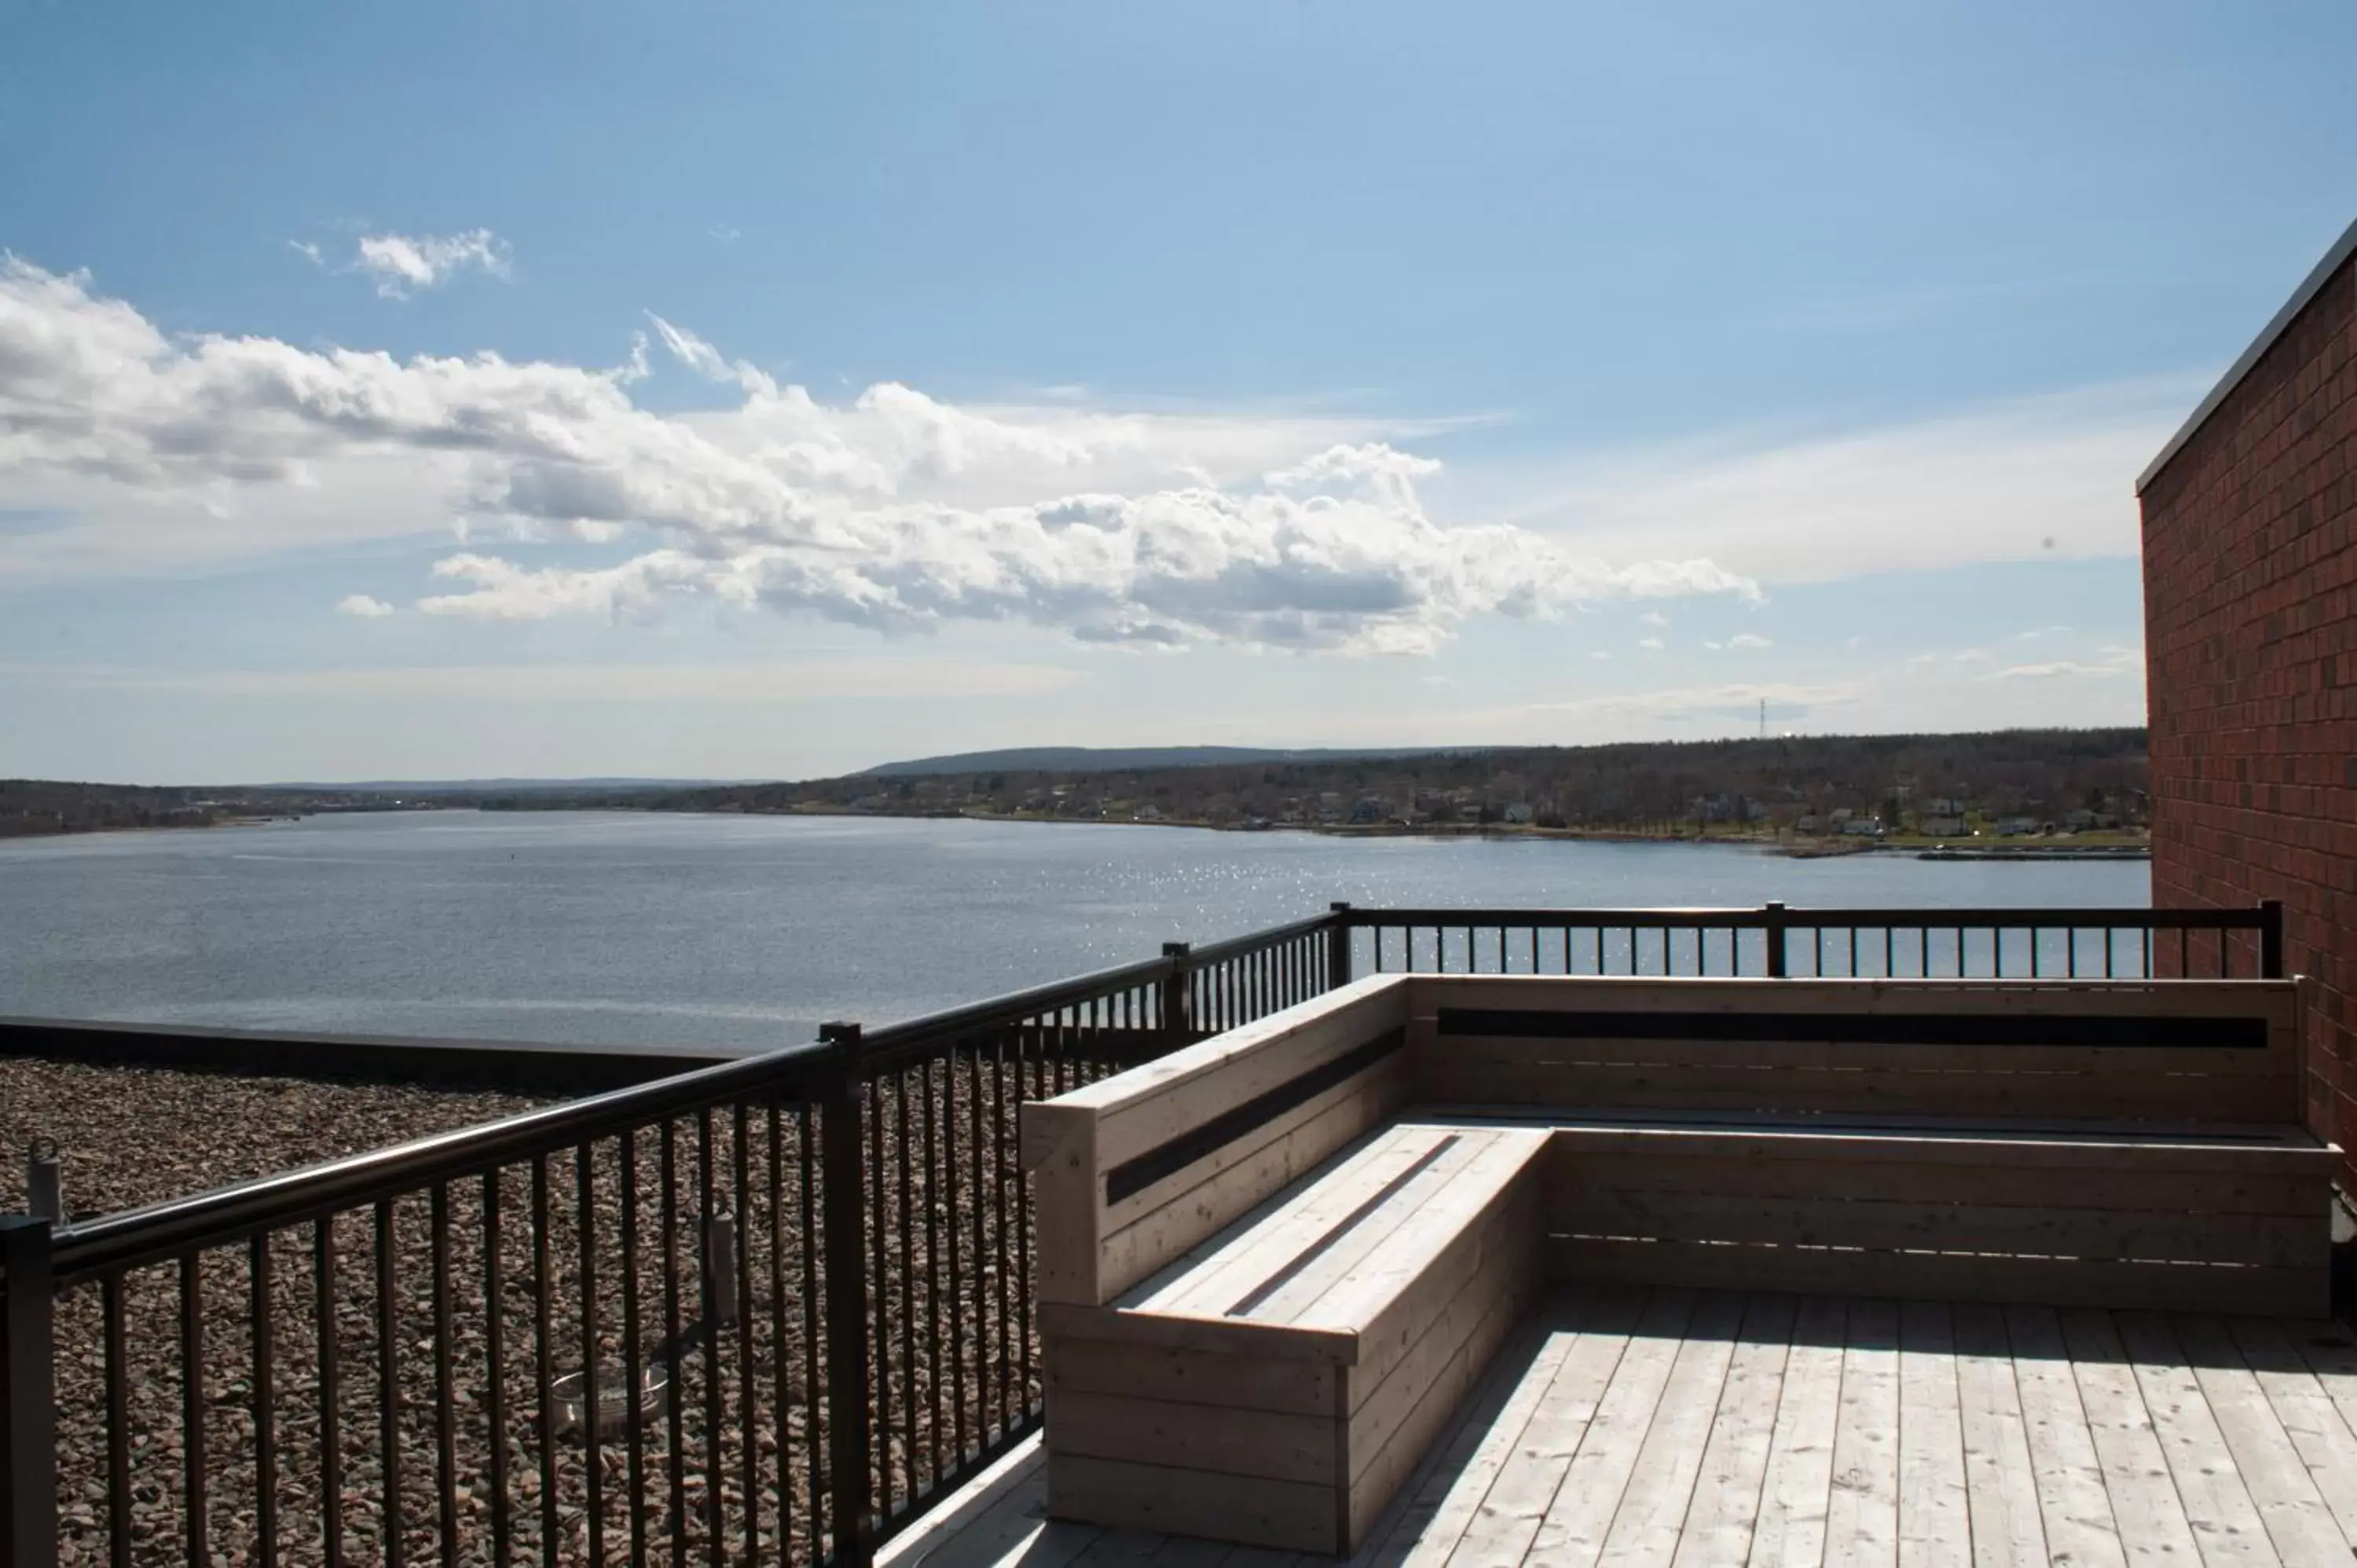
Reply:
x=2250 y=588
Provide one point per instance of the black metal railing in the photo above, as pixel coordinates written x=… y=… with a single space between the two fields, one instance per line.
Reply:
x=1774 y=941
x=761 y=1312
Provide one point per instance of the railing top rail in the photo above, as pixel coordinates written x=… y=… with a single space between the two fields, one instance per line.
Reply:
x=889 y=1040
x=1213 y=953
x=2237 y=918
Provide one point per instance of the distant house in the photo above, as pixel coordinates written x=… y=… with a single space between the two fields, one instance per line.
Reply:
x=1862 y=827
x=1518 y=814
x=1150 y=813
x=1940 y=827
x=2078 y=821
x=1807 y=824
x=1367 y=810
x=2014 y=827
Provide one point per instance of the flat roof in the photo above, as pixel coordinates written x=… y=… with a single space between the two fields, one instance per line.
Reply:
x=2312 y=286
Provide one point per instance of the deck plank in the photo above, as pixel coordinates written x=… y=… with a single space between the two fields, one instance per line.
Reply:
x=2217 y=1504
x=1524 y=1487
x=1719 y=1525
x=1795 y=1491
x=2333 y=1360
x=2299 y=1522
x=2154 y=1525
x=2074 y=1506
x=1573 y=1532
x=2000 y=1480
x=1645 y=1531
x=1444 y=1496
x=2326 y=1442
x=1935 y=1511
x=1862 y=1514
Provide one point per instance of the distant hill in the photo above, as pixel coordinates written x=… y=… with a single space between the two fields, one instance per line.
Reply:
x=1124 y=759
x=500 y=786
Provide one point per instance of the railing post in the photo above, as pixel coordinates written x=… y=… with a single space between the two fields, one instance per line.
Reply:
x=848 y=1406
x=1775 y=930
x=1177 y=999
x=28 y=1445
x=1337 y=945
x=2271 y=938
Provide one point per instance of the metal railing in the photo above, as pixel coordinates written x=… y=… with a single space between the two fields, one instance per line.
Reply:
x=761 y=1312
x=1773 y=942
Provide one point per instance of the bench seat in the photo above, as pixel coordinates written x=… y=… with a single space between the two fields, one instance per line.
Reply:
x=1274 y=1385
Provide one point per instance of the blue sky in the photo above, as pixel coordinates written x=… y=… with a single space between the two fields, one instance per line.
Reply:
x=700 y=391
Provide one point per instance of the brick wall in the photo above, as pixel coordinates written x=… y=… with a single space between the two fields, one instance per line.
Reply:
x=2250 y=571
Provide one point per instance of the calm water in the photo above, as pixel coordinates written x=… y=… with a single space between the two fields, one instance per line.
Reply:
x=745 y=931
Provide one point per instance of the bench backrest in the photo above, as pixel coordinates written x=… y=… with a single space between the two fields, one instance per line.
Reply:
x=2152 y=1050
x=1132 y=1170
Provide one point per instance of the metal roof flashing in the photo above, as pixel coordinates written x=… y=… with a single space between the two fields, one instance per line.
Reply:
x=2312 y=286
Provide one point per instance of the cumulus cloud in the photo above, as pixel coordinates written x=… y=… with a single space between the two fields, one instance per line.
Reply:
x=1748 y=639
x=364 y=606
x=401 y=264
x=1653 y=643
x=895 y=512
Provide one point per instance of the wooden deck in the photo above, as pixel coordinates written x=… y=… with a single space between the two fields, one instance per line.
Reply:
x=1691 y=1427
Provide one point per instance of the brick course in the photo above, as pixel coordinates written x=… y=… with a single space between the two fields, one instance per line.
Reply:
x=2250 y=574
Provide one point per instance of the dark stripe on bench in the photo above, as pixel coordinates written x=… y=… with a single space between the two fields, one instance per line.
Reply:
x=1139 y=1171
x=1864 y=1028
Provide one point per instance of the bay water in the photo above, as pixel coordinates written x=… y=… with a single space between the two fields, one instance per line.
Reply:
x=744 y=932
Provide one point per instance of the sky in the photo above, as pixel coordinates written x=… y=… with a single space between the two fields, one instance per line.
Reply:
x=693 y=391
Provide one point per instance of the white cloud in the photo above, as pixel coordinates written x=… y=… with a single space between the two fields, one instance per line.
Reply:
x=2037 y=478
x=1654 y=618
x=2115 y=662
x=1748 y=639
x=1599 y=655
x=364 y=606
x=1655 y=643
x=722 y=684
x=401 y=264
x=896 y=512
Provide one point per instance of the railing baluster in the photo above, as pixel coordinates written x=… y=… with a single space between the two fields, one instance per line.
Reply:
x=192 y=1408
x=265 y=1411
x=543 y=1351
x=715 y=1392
x=331 y=1443
x=388 y=1368
x=495 y=1382
x=748 y=1392
x=813 y=1400
x=445 y=1404
x=118 y=1424
x=634 y=1360
x=593 y=1441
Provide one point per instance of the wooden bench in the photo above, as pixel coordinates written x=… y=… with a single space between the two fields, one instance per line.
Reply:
x=1270 y=1263
x=2065 y=1143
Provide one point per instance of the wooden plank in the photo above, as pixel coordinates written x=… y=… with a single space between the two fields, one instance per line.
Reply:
x=2001 y=1480
x=2299 y=1521
x=1333 y=1118
x=1726 y=1497
x=1140 y=1371
x=2154 y=1526
x=2217 y=1504
x=1509 y=1230
x=1934 y=1503
x=1467 y=1078
x=1225 y=1269
x=1796 y=1492
x=1577 y=1521
x=1395 y=1240
x=1178 y=1331
x=2267 y=1151
x=1527 y=1478
x=1194 y=1436
x=1383 y=1297
x=1909 y=1181
x=1378 y=1480
x=2325 y=1440
x=1862 y=1515
x=1132 y=1548
x=1645 y=1528
x=1153 y=1240
x=1248 y=1510
x=2329 y=1356
x=1148 y=1106
x=2073 y=1504
x=1375 y=1408
x=1060 y=1150
x=1447 y=1491
x=2058 y=1230
x=2271 y=999
x=2020 y=1053
x=2287 y=1293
